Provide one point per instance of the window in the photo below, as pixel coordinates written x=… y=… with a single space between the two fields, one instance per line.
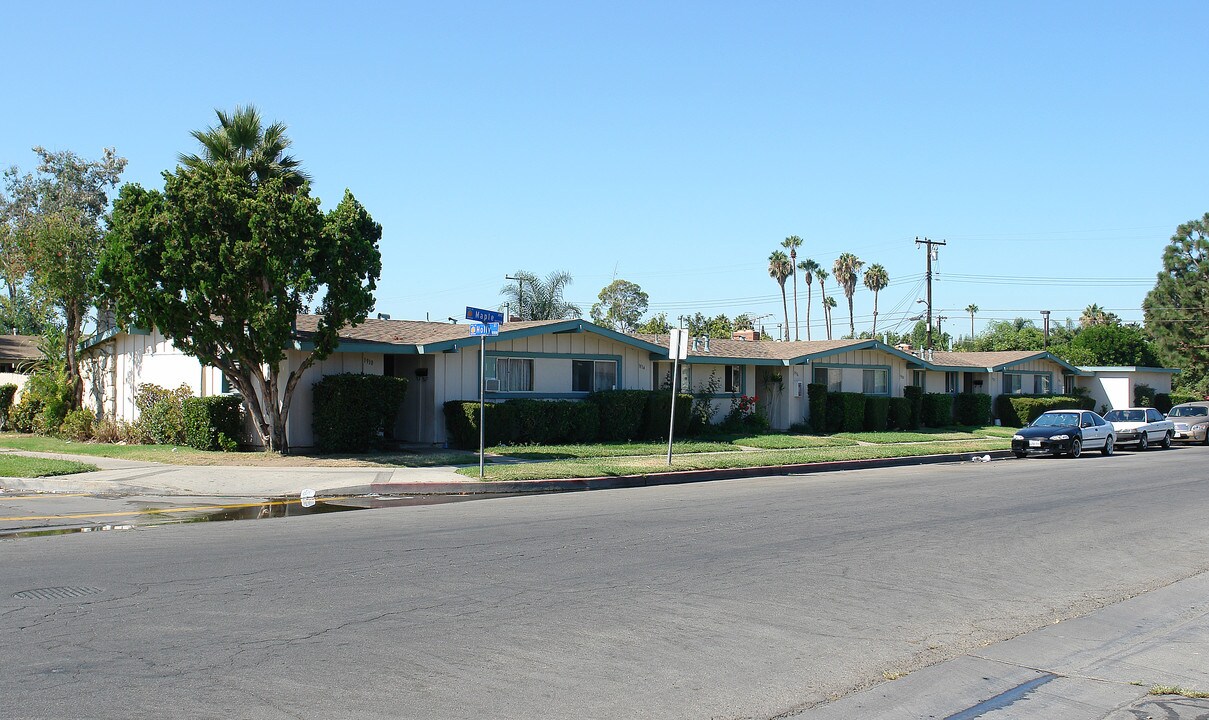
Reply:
x=919 y=378
x=1154 y=415
x=1041 y=384
x=1068 y=384
x=831 y=377
x=734 y=378
x=952 y=382
x=593 y=375
x=509 y=374
x=876 y=382
x=1012 y=384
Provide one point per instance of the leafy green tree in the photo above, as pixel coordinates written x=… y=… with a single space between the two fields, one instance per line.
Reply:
x=846 y=270
x=1109 y=345
x=1175 y=310
x=655 y=325
x=876 y=279
x=792 y=243
x=222 y=263
x=621 y=305
x=779 y=269
x=540 y=299
x=54 y=224
x=1002 y=335
x=809 y=268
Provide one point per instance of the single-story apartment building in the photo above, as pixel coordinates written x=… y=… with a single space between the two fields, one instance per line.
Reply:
x=1114 y=386
x=568 y=359
x=18 y=354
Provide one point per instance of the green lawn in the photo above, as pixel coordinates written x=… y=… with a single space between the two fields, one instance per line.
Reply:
x=598 y=467
x=29 y=467
x=996 y=431
x=907 y=437
x=152 y=453
x=604 y=450
x=785 y=442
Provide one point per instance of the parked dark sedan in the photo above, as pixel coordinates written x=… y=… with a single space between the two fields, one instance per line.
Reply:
x=1067 y=432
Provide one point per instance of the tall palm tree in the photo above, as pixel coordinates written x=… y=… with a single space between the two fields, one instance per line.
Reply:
x=242 y=142
x=829 y=302
x=1095 y=315
x=971 y=309
x=846 y=269
x=779 y=269
x=876 y=279
x=538 y=299
x=808 y=268
x=822 y=275
x=792 y=243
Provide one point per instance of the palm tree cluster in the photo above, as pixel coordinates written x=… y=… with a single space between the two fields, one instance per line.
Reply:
x=846 y=271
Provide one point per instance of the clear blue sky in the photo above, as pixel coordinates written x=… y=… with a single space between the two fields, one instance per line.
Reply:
x=1055 y=146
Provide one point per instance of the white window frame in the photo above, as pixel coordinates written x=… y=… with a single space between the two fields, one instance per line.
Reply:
x=1044 y=382
x=952 y=382
x=869 y=381
x=491 y=373
x=595 y=366
x=1008 y=384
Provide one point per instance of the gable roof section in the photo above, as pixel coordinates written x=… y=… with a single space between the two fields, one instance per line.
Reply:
x=19 y=348
x=421 y=337
x=990 y=361
x=765 y=352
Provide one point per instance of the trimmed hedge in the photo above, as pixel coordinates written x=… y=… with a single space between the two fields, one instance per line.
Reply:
x=900 y=413
x=655 y=416
x=877 y=413
x=937 y=409
x=351 y=409
x=972 y=409
x=621 y=413
x=1143 y=396
x=1179 y=397
x=213 y=423
x=851 y=410
x=817 y=396
x=1018 y=410
x=914 y=395
x=7 y=393
x=1162 y=402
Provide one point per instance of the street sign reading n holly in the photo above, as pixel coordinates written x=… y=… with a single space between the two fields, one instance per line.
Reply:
x=485 y=329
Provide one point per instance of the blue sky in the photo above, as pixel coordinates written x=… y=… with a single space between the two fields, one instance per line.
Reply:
x=1054 y=146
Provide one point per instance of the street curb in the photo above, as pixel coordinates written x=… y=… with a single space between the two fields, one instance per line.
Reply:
x=512 y=487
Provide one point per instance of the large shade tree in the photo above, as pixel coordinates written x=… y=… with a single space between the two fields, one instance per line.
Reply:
x=223 y=261
x=540 y=298
x=1175 y=310
x=779 y=269
x=620 y=306
x=847 y=270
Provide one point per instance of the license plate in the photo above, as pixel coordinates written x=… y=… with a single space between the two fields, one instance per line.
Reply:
x=1034 y=443
x=1180 y=435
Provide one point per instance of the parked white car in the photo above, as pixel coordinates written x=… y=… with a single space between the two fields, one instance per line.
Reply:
x=1142 y=427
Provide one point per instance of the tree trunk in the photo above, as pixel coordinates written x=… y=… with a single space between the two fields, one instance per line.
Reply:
x=874 y=333
x=797 y=335
x=72 y=316
x=785 y=307
x=851 y=320
x=809 y=299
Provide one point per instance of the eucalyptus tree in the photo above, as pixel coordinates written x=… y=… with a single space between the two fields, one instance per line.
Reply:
x=847 y=269
x=822 y=274
x=792 y=243
x=809 y=268
x=540 y=298
x=876 y=279
x=779 y=269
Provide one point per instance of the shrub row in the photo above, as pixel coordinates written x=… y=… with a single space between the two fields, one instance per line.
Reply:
x=212 y=423
x=352 y=410
x=832 y=412
x=937 y=410
x=1018 y=410
x=972 y=409
x=7 y=393
x=610 y=415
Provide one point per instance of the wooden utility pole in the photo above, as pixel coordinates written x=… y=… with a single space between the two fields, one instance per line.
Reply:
x=930 y=245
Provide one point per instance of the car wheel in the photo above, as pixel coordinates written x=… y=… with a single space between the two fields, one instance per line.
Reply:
x=1076 y=448
x=1143 y=442
x=1021 y=455
x=1107 y=449
x=1166 y=440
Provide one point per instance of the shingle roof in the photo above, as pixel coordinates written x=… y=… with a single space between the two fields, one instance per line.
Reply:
x=980 y=359
x=407 y=332
x=759 y=349
x=19 y=348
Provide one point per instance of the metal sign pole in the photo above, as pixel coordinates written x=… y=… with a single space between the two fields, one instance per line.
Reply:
x=672 y=424
x=482 y=393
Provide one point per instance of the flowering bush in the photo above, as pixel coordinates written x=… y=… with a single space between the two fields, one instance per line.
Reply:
x=744 y=415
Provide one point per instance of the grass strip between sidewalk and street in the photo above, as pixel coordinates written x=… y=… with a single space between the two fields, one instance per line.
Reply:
x=891 y=437
x=603 y=450
x=786 y=442
x=611 y=467
x=30 y=467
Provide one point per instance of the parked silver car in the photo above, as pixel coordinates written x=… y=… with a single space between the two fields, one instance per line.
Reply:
x=1191 y=421
x=1141 y=426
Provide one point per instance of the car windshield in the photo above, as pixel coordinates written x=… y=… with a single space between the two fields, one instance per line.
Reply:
x=1188 y=411
x=1056 y=419
x=1126 y=416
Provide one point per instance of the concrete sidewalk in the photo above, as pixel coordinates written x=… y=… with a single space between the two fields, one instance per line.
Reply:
x=126 y=477
x=1097 y=667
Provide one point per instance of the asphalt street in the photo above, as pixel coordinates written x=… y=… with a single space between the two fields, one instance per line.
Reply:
x=751 y=598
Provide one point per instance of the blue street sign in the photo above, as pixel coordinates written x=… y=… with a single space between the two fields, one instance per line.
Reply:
x=488 y=329
x=484 y=316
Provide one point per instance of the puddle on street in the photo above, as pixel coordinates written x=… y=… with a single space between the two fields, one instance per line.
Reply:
x=269 y=509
